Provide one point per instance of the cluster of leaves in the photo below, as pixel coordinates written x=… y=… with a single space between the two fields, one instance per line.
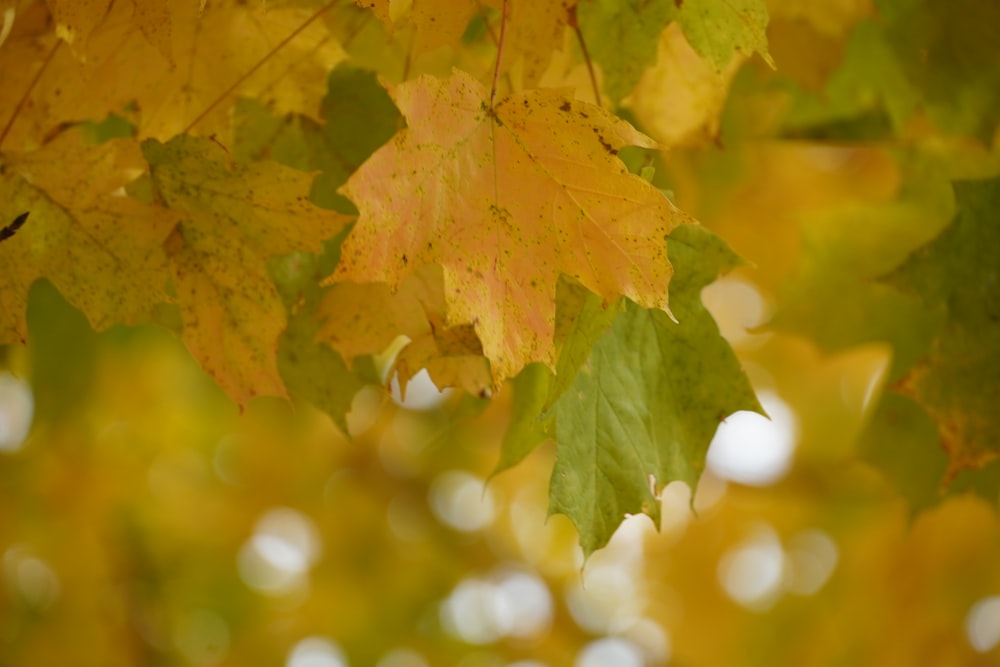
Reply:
x=500 y=233
x=292 y=186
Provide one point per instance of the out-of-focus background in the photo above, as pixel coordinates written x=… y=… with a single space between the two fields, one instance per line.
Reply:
x=145 y=521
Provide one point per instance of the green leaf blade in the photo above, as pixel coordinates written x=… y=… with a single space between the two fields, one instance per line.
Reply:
x=644 y=409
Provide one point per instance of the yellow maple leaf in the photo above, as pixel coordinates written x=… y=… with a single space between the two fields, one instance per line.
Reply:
x=365 y=318
x=680 y=99
x=506 y=199
x=102 y=251
x=163 y=63
x=534 y=28
x=235 y=217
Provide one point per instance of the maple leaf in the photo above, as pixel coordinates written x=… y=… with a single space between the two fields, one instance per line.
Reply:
x=719 y=29
x=643 y=410
x=364 y=318
x=168 y=63
x=235 y=217
x=696 y=90
x=958 y=381
x=950 y=58
x=533 y=28
x=435 y=22
x=622 y=37
x=79 y=235
x=506 y=200
x=311 y=370
x=582 y=318
x=357 y=117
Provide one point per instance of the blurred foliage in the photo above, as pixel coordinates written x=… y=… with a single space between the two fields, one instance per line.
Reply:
x=147 y=520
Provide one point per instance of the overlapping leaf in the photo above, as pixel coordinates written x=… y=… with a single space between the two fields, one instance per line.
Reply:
x=311 y=370
x=235 y=217
x=718 y=29
x=696 y=90
x=958 y=381
x=533 y=31
x=357 y=117
x=102 y=251
x=643 y=410
x=165 y=68
x=622 y=36
x=364 y=318
x=507 y=199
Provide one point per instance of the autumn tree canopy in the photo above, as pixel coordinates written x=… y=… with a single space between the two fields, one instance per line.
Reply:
x=474 y=332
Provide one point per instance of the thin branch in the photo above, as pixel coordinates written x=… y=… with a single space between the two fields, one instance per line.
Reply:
x=408 y=60
x=586 y=55
x=226 y=93
x=27 y=93
x=356 y=29
x=486 y=20
x=503 y=32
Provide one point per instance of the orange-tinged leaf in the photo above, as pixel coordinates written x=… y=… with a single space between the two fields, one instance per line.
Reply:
x=236 y=217
x=169 y=62
x=102 y=251
x=507 y=199
x=152 y=17
x=379 y=7
x=535 y=29
x=364 y=318
x=76 y=19
x=680 y=99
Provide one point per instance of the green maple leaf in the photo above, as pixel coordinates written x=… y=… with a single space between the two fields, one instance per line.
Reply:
x=236 y=217
x=622 y=36
x=643 y=410
x=103 y=252
x=312 y=371
x=958 y=277
x=718 y=29
x=949 y=53
x=915 y=57
x=357 y=115
x=582 y=318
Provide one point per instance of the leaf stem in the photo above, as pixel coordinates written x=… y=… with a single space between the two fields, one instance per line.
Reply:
x=503 y=32
x=27 y=92
x=586 y=55
x=228 y=91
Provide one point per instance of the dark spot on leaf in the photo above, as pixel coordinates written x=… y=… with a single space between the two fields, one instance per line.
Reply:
x=608 y=147
x=564 y=106
x=12 y=228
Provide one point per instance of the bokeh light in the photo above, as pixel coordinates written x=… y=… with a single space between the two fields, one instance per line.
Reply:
x=751 y=572
x=31 y=577
x=462 y=501
x=316 y=652
x=752 y=449
x=982 y=624
x=507 y=604
x=277 y=557
x=17 y=407
x=610 y=651
x=202 y=637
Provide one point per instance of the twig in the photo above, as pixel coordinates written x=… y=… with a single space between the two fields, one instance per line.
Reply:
x=586 y=55
x=295 y=33
x=27 y=93
x=503 y=32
